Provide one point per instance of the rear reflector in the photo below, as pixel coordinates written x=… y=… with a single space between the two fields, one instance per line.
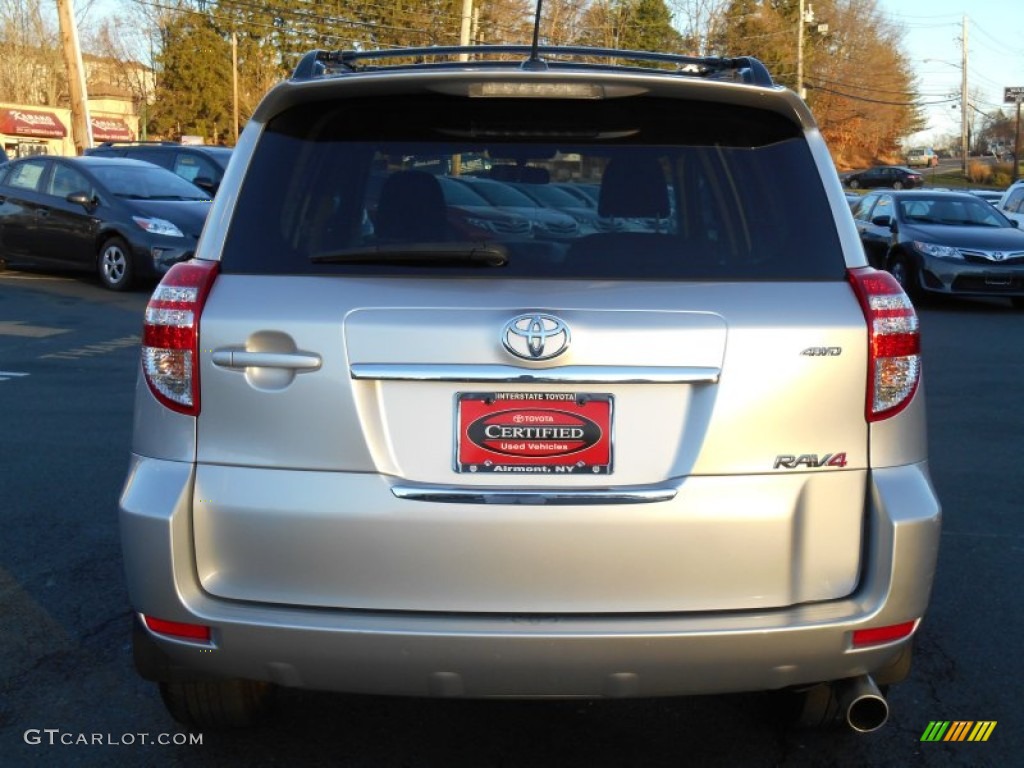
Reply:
x=178 y=629
x=170 y=337
x=878 y=635
x=894 y=342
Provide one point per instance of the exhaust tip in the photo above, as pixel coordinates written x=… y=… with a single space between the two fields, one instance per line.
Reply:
x=867 y=714
x=864 y=706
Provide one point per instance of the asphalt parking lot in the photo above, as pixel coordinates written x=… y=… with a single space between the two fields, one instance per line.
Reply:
x=69 y=697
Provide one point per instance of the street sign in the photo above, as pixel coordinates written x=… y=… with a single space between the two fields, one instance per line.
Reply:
x=1013 y=94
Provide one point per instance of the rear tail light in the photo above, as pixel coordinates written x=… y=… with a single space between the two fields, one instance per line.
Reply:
x=894 y=343
x=170 y=337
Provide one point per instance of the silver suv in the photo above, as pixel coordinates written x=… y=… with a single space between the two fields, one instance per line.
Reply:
x=388 y=443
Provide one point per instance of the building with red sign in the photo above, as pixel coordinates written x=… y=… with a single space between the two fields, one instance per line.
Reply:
x=42 y=129
x=47 y=130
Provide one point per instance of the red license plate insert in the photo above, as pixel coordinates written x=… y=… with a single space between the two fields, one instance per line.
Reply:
x=540 y=433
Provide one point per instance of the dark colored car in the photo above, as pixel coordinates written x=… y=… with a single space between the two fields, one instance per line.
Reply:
x=473 y=217
x=992 y=196
x=587 y=193
x=950 y=243
x=203 y=166
x=4 y=159
x=895 y=176
x=122 y=218
x=548 y=224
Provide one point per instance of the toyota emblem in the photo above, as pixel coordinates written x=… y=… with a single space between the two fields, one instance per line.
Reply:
x=536 y=336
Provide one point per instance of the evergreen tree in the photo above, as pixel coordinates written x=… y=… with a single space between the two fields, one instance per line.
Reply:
x=193 y=94
x=651 y=28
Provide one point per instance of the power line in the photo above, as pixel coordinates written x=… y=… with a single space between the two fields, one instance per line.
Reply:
x=879 y=101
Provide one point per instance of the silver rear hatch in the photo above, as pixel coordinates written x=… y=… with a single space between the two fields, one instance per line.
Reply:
x=404 y=409
x=340 y=486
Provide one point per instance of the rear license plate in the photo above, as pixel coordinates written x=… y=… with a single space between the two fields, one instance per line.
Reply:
x=541 y=433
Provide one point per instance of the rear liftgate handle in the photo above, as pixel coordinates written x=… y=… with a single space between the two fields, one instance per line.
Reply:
x=238 y=359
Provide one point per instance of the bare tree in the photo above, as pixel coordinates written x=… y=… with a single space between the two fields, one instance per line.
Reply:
x=125 y=46
x=699 y=22
x=31 y=67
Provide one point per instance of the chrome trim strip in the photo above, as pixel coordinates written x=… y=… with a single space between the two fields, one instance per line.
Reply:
x=238 y=358
x=441 y=495
x=508 y=374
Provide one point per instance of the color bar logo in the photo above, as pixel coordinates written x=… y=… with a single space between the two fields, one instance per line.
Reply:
x=958 y=730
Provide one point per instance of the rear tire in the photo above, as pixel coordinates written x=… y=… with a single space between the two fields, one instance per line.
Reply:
x=854 y=184
x=114 y=263
x=217 y=704
x=897 y=185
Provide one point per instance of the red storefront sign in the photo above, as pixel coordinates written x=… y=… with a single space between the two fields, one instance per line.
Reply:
x=111 y=129
x=33 y=123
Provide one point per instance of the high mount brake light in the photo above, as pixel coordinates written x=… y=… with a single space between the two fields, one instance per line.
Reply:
x=894 y=342
x=170 y=337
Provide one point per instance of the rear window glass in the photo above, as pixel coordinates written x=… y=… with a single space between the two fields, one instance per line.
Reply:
x=397 y=186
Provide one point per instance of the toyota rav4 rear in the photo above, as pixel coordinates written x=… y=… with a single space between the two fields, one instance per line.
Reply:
x=385 y=445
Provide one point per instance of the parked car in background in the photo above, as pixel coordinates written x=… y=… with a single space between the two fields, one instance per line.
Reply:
x=689 y=459
x=948 y=243
x=992 y=196
x=587 y=192
x=472 y=217
x=202 y=165
x=124 y=219
x=895 y=176
x=557 y=198
x=922 y=157
x=548 y=224
x=1011 y=202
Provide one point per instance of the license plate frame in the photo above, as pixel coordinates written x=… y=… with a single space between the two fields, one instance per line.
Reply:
x=534 y=433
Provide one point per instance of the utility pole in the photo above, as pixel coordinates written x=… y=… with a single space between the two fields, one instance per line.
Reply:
x=964 y=144
x=800 y=53
x=1016 y=146
x=81 y=129
x=234 y=83
x=467 y=23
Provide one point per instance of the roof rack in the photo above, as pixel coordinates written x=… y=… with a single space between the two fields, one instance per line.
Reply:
x=320 y=63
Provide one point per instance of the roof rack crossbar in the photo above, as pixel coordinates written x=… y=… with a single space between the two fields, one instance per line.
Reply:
x=745 y=69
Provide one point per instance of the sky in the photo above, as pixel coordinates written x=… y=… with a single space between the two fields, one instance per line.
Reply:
x=995 y=54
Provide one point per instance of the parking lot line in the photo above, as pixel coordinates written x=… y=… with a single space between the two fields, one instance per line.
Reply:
x=19 y=328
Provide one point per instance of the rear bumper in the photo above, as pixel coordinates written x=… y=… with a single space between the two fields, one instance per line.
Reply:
x=429 y=654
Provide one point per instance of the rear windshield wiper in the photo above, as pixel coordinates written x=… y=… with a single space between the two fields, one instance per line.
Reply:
x=480 y=254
